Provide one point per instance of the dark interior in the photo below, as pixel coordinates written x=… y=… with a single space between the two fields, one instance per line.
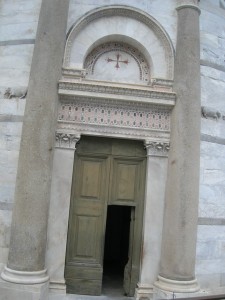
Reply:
x=116 y=245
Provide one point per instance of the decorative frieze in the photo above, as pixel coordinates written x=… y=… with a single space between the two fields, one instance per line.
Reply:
x=66 y=140
x=108 y=113
x=157 y=148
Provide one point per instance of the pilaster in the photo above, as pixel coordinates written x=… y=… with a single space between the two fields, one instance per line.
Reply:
x=62 y=175
x=156 y=170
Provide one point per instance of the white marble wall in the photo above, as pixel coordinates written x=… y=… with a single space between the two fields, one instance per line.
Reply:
x=211 y=232
x=18 y=24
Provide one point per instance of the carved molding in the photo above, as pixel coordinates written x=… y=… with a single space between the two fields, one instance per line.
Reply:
x=128 y=13
x=194 y=4
x=121 y=115
x=98 y=88
x=75 y=73
x=157 y=148
x=66 y=140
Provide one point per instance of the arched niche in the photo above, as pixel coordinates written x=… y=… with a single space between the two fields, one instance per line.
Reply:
x=121 y=23
x=117 y=62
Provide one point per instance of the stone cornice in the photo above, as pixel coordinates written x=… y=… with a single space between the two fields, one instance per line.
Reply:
x=141 y=94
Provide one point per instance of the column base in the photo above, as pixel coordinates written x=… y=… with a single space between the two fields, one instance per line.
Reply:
x=177 y=286
x=15 y=291
x=24 y=277
x=57 y=287
x=144 y=291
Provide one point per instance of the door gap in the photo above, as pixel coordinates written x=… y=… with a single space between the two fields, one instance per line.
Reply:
x=116 y=248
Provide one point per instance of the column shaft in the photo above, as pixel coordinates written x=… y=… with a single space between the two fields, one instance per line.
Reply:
x=30 y=214
x=182 y=188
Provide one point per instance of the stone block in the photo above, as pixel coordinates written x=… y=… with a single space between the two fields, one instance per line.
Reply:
x=5 y=223
x=13 y=106
x=209 y=280
x=12 y=291
x=213 y=232
x=209 y=266
x=22 y=13
x=15 y=66
x=208 y=249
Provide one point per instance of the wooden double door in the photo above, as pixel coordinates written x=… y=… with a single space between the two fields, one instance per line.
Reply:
x=108 y=188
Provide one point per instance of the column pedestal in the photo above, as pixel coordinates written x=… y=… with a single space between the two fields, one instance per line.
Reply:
x=15 y=291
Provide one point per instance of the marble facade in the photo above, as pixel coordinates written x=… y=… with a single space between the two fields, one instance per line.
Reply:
x=18 y=25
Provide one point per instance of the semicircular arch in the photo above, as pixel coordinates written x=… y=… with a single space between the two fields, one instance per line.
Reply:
x=129 y=24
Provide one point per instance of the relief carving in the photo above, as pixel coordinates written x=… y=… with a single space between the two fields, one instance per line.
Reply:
x=66 y=140
x=211 y=113
x=157 y=148
x=19 y=92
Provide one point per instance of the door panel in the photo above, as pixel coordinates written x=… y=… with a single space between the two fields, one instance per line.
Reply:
x=84 y=269
x=125 y=181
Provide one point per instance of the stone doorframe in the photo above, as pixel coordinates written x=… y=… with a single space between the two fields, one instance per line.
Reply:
x=119 y=111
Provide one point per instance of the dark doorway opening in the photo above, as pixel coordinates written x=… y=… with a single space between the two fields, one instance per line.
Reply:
x=116 y=246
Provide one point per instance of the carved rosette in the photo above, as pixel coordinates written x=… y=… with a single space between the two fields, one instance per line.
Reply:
x=66 y=140
x=157 y=148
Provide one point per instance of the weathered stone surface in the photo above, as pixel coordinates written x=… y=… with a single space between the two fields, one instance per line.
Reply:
x=181 y=200
x=29 y=225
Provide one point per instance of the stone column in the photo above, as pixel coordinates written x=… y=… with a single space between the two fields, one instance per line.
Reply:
x=62 y=174
x=177 y=270
x=156 y=170
x=26 y=261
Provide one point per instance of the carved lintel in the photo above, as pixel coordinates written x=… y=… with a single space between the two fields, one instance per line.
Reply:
x=157 y=148
x=66 y=140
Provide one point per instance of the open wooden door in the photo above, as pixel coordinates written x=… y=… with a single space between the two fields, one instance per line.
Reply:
x=84 y=266
x=106 y=172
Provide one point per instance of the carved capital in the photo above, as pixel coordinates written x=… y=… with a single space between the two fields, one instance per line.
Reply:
x=188 y=4
x=157 y=148
x=66 y=140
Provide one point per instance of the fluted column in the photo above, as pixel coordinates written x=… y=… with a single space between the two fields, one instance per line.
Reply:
x=26 y=261
x=177 y=268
